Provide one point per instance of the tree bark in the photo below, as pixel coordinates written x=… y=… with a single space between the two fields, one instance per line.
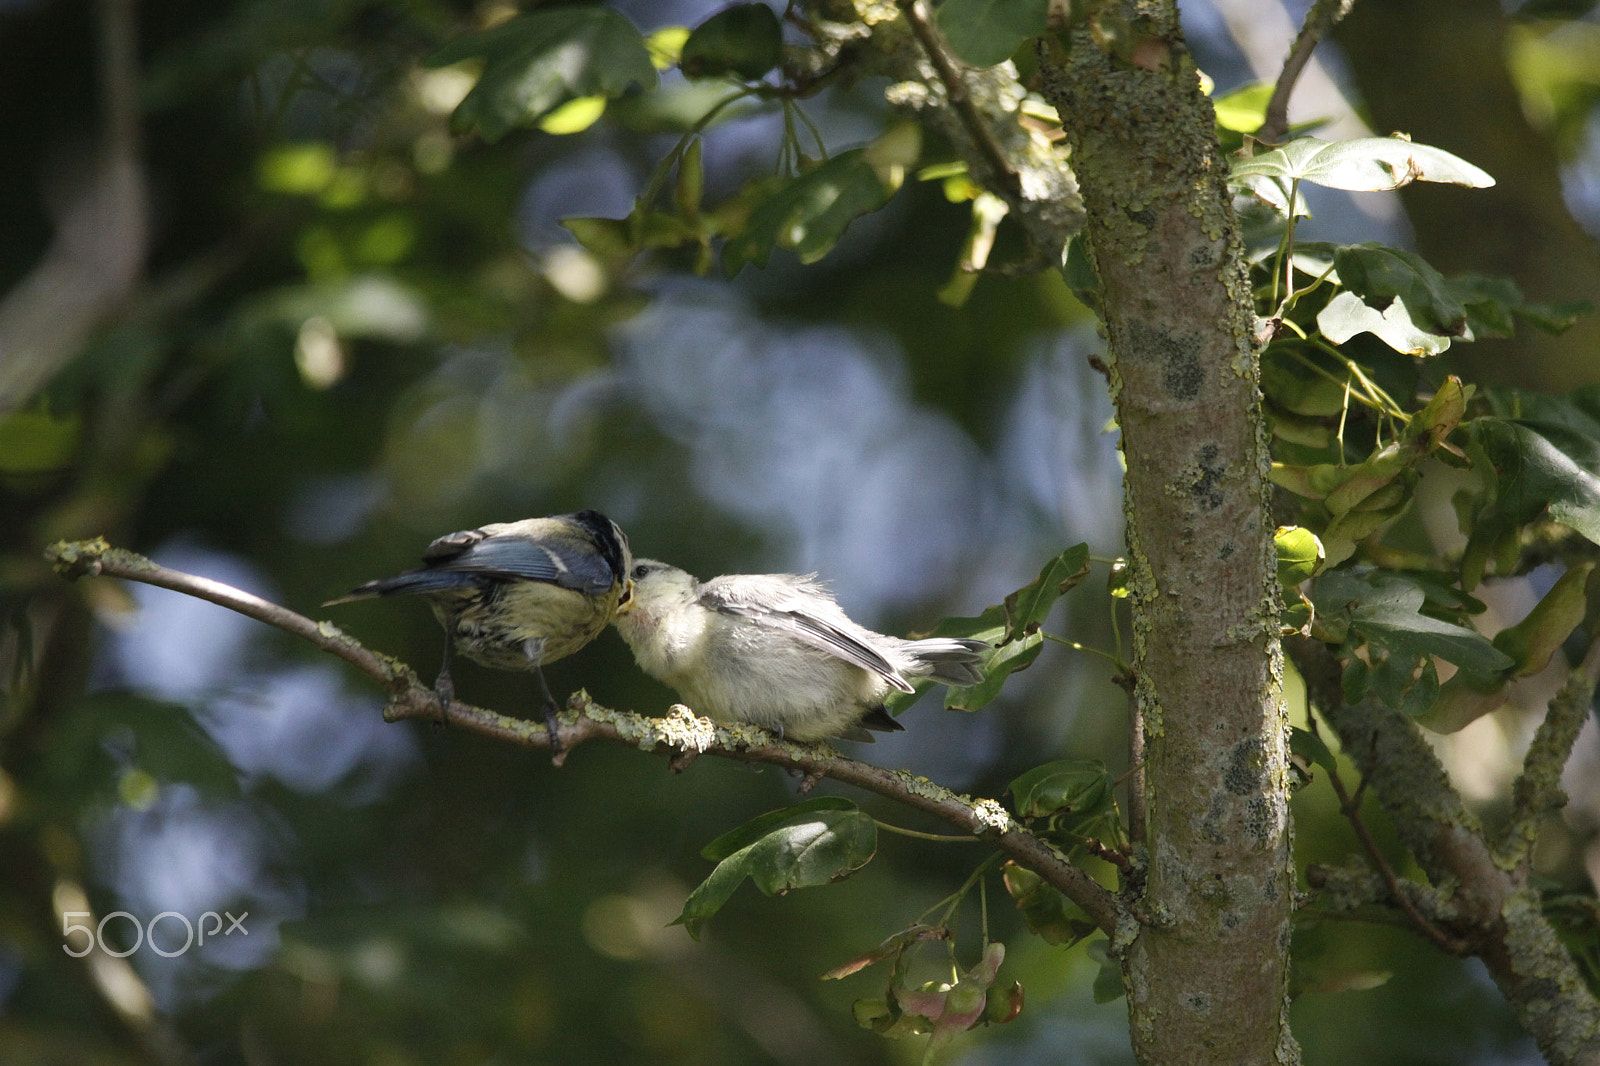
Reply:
x=1207 y=972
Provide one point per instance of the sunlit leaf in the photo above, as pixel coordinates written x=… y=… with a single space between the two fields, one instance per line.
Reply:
x=1244 y=109
x=534 y=63
x=574 y=116
x=1348 y=314
x=1366 y=164
x=1300 y=553
x=666 y=45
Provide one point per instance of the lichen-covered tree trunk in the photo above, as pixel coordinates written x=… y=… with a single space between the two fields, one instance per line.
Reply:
x=1207 y=968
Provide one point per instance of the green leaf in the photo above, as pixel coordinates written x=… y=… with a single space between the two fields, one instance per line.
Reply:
x=758 y=827
x=1384 y=610
x=1078 y=785
x=1027 y=607
x=1001 y=663
x=986 y=32
x=1300 y=553
x=1244 y=109
x=534 y=63
x=1532 y=641
x=1536 y=477
x=1108 y=986
x=820 y=848
x=744 y=40
x=1348 y=314
x=1366 y=164
x=1490 y=304
x=1310 y=747
x=1556 y=317
x=605 y=237
x=809 y=213
x=1380 y=274
x=1011 y=629
x=1047 y=913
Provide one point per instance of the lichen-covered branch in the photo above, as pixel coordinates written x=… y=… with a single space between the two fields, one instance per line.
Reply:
x=1498 y=912
x=585 y=720
x=977 y=110
x=1537 y=791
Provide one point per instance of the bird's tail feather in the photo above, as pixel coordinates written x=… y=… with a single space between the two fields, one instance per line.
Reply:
x=951 y=660
x=418 y=581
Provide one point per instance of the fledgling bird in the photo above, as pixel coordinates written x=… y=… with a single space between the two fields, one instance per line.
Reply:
x=517 y=595
x=776 y=651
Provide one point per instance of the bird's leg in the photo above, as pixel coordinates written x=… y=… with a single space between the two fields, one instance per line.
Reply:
x=445 y=686
x=534 y=650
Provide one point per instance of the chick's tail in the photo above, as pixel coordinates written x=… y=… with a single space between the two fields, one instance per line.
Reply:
x=949 y=660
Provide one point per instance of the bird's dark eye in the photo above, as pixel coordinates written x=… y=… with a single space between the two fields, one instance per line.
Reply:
x=640 y=571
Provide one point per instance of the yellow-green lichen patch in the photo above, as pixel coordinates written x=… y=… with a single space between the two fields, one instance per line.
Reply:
x=686 y=731
x=992 y=818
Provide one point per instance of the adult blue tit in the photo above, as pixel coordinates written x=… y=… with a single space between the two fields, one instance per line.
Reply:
x=776 y=651
x=517 y=595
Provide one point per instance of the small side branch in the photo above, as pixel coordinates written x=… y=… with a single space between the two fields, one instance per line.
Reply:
x=585 y=720
x=1398 y=893
x=1320 y=20
x=955 y=88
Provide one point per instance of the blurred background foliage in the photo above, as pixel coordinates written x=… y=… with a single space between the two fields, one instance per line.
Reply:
x=265 y=317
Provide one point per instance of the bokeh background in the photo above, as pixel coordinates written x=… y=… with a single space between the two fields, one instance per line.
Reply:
x=264 y=318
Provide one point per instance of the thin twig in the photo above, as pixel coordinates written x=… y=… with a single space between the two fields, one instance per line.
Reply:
x=1351 y=809
x=1323 y=17
x=955 y=88
x=585 y=720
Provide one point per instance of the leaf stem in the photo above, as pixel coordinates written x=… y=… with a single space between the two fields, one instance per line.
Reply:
x=917 y=834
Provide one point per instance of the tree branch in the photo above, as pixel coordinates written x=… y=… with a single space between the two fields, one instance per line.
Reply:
x=1537 y=790
x=586 y=720
x=1500 y=917
x=977 y=111
x=1320 y=21
x=983 y=138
